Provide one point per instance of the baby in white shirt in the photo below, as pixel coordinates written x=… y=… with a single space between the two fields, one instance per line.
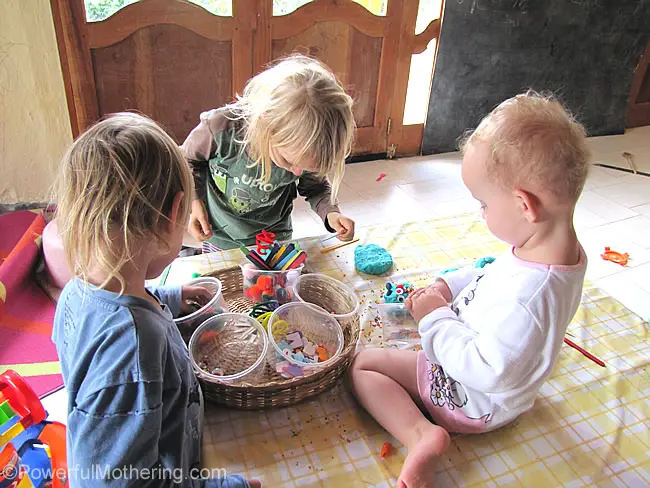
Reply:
x=490 y=336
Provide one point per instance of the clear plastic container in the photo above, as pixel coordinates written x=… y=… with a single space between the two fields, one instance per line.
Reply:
x=398 y=326
x=262 y=285
x=312 y=325
x=327 y=293
x=230 y=347
x=217 y=305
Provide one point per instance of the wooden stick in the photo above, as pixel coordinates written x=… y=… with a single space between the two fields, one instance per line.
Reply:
x=584 y=352
x=331 y=248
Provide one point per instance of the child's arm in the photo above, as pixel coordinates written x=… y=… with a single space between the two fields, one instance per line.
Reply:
x=495 y=359
x=117 y=433
x=198 y=148
x=175 y=297
x=317 y=191
x=172 y=296
x=458 y=280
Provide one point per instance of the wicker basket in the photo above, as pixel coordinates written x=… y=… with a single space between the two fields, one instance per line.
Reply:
x=269 y=388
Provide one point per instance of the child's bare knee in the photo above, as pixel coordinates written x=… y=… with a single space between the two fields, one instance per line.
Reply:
x=365 y=360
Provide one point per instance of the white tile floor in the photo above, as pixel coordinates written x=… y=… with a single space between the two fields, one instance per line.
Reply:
x=614 y=211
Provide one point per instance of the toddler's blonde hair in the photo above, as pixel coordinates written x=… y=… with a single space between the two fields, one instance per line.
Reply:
x=297 y=103
x=116 y=185
x=533 y=139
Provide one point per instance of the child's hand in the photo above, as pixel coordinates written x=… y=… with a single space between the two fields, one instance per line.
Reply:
x=199 y=226
x=442 y=287
x=424 y=301
x=344 y=226
x=192 y=296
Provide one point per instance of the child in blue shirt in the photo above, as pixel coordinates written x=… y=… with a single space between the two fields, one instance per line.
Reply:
x=135 y=407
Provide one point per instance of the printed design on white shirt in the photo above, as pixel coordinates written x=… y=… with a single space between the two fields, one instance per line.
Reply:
x=469 y=296
x=449 y=393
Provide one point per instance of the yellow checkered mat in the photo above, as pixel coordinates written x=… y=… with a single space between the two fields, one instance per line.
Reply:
x=587 y=428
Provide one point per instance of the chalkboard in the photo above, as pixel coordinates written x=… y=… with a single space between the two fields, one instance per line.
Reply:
x=584 y=51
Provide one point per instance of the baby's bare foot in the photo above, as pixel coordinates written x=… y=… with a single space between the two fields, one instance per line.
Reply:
x=419 y=468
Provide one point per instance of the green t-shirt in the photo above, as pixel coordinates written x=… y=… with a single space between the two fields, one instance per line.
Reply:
x=239 y=202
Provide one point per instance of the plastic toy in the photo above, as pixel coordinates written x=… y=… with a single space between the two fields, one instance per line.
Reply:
x=32 y=449
x=615 y=257
x=385 y=449
x=397 y=292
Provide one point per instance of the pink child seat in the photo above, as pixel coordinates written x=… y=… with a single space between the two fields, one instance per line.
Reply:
x=56 y=266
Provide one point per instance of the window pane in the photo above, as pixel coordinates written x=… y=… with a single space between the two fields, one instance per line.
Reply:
x=377 y=7
x=97 y=10
x=216 y=7
x=284 y=7
x=417 y=93
x=427 y=11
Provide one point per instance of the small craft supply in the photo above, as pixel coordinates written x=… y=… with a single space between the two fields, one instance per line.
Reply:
x=385 y=449
x=397 y=292
x=330 y=237
x=336 y=246
x=271 y=256
x=484 y=261
x=372 y=259
x=584 y=352
x=381 y=177
x=280 y=328
x=304 y=335
x=264 y=241
x=615 y=257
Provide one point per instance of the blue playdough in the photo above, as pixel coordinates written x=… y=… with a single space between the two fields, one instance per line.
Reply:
x=482 y=262
x=372 y=259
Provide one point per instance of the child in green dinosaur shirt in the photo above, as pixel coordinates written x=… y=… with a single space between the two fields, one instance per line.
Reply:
x=288 y=134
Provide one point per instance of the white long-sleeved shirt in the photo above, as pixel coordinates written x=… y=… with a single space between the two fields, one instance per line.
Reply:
x=493 y=348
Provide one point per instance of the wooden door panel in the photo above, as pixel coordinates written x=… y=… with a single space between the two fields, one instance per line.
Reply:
x=172 y=59
x=352 y=55
x=168 y=72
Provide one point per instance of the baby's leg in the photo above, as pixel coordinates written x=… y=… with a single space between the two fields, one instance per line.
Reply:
x=385 y=382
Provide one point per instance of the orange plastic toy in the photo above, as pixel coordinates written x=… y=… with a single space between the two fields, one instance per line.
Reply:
x=385 y=449
x=615 y=257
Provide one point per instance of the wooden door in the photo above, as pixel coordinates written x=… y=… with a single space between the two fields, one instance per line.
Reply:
x=169 y=59
x=172 y=59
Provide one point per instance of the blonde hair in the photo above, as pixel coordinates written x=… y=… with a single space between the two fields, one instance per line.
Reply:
x=297 y=103
x=533 y=139
x=116 y=185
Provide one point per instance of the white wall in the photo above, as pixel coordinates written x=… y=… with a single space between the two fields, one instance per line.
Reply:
x=34 y=122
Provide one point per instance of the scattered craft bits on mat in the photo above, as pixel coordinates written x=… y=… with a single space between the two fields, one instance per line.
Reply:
x=372 y=259
x=385 y=449
x=298 y=347
x=381 y=177
x=397 y=292
x=615 y=257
